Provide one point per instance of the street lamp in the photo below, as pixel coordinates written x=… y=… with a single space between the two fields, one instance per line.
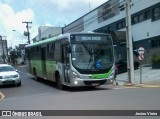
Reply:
x=17 y=32
x=22 y=36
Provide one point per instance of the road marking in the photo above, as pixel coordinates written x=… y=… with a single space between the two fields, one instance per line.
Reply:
x=142 y=85
x=125 y=87
x=2 y=96
x=147 y=86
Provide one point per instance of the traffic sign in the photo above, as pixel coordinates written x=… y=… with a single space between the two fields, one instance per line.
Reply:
x=141 y=57
x=141 y=50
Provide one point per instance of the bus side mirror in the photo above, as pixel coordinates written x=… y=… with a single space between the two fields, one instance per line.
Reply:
x=69 y=49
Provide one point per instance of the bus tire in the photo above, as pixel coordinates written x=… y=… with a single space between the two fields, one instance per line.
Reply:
x=35 y=74
x=59 y=85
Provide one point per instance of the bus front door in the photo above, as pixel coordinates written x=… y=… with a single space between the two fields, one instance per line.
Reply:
x=65 y=61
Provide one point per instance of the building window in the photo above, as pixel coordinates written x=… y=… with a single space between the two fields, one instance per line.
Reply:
x=156 y=13
x=138 y=18
x=155 y=43
x=147 y=15
x=135 y=20
x=124 y=24
x=121 y=25
x=109 y=28
x=141 y=17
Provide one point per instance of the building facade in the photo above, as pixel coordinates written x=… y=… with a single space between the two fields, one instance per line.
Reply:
x=3 y=51
x=110 y=18
x=45 y=32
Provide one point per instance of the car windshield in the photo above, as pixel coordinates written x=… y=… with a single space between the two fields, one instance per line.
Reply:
x=6 y=68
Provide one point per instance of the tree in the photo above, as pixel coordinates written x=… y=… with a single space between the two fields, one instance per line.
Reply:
x=13 y=56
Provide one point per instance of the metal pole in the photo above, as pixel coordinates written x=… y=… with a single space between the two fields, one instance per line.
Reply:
x=140 y=72
x=28 y=30
x=130 y=66
x=28 y=33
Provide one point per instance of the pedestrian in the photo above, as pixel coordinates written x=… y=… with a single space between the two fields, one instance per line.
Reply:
x=115 y=75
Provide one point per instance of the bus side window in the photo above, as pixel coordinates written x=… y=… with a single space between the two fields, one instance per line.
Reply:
x=52 y=46
x=50 y=51
x=57 y=51
x=27 y=54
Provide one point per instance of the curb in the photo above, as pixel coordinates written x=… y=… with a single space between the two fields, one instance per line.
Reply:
x=143 y=85
x=2 y=96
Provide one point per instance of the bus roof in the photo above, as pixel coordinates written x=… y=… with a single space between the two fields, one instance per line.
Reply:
x=55 y=38
x=46 y=40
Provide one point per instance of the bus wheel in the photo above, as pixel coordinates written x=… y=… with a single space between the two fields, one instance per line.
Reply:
x=59 y=85
x=35 y=74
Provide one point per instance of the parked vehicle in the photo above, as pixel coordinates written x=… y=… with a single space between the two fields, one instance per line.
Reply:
x=121 y=66
x=8 y=75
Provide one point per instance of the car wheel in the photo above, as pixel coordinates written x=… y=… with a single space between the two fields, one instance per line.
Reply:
x=18 y=84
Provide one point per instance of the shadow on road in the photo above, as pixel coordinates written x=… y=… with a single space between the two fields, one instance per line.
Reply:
x=80 y=89
x=72 y=89
x=8 y=86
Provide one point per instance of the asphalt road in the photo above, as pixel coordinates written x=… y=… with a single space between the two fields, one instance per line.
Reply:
x=43 y=95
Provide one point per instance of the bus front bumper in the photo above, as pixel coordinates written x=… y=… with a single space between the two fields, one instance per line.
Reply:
x=89 y=82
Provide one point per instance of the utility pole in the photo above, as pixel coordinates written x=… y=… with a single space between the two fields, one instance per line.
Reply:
x=130 y=66
x=28 y=34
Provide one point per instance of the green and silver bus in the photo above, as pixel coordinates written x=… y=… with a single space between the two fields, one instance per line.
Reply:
x=73 y=59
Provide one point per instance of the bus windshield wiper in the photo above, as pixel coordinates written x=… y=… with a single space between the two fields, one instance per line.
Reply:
x=89 y=52
x=86 y=48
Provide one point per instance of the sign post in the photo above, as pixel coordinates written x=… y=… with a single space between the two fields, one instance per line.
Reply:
x=141 y=52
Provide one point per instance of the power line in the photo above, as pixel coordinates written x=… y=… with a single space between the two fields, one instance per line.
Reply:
x=71 y=17
x=94 y=18
x=91 y=19
x=83 y=10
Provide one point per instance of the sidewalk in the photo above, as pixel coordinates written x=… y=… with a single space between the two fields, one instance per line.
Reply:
x=150 y=77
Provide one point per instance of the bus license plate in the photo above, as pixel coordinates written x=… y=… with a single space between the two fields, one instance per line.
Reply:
x=95 y=84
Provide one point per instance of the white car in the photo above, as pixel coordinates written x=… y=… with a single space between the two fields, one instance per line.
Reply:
x=8 y=75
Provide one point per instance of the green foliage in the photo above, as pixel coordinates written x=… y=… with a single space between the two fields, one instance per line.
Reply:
x=13 y=54
x=155 y=59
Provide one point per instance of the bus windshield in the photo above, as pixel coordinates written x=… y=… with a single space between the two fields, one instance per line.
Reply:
x=92 y=52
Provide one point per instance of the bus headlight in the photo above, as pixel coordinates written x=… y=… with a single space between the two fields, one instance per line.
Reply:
x=76 y=82
x=74 y=75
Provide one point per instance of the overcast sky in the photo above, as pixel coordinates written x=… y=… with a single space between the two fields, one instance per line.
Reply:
x=40 y=12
